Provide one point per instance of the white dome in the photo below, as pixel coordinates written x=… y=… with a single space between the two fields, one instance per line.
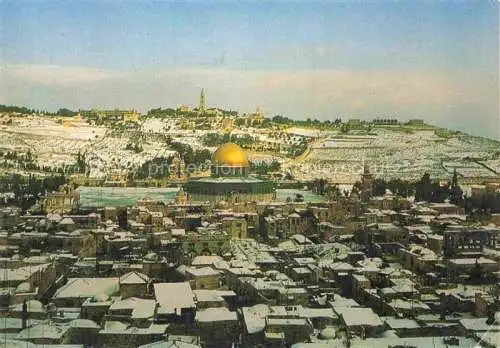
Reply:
x=328 y=333
x=23 y=287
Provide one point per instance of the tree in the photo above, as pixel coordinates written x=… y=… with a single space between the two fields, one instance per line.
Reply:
x=477 y=272
x=423 y=188
x=320 y=186
x=456 y=193
x=439 y=193
x=357 y=188
x=80 y=162
x=66 y=112
x=334 y=192
x=379 y=187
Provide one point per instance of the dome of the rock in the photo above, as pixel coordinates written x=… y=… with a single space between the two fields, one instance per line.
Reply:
x=230 y=155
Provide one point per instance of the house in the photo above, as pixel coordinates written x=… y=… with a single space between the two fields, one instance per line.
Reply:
x=214 y=298
x=203 y=278
x=287 y=330
x=362 y=321
x=137 y=311
x=117 y=334
x=175 y=300
x=218 y=327
x=134 y=284
x=37 y=279
x=77 y=290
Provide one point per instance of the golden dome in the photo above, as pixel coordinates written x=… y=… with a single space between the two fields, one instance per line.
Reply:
x=230 y=155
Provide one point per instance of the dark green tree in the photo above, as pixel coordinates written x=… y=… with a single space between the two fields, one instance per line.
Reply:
x=456 y=193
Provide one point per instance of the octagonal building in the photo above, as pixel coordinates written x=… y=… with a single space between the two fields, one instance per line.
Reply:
x=229 y=180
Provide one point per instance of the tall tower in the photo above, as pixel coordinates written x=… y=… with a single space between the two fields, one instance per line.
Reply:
x=366 y=184
x=201 y=109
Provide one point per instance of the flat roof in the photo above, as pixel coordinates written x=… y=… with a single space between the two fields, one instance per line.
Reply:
x=472 y=261
x=302 y=270
x=287 y=321
x=205 y=260
x=397 y=323
x=174 y=295
x=212 y=295
x=254 y=317
x=202 y=272
x=141 y=308
x=419 y=342
x=215 y=314
x=21 y=273
x=356 y=316
x=88 y=287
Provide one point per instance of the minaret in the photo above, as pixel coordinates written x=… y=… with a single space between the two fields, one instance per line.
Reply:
x=201 y=109
x=366 y=184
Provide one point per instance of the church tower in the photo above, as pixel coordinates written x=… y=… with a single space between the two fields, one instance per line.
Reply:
x=366 y=184
x=201 y=108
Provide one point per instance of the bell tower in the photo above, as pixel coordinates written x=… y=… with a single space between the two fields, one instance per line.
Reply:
x=201 y=108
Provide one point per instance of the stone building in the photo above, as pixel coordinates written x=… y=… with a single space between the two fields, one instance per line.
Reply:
x=63 y=201
x=203 y=278
x=133 y=284
x=206 y=242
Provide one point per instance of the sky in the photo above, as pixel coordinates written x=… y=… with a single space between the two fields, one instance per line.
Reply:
x=436 y=60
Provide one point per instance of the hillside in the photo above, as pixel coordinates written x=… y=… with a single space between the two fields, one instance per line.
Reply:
x=307 y=150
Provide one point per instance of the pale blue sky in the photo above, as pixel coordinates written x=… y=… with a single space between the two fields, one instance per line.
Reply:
x=432 y=59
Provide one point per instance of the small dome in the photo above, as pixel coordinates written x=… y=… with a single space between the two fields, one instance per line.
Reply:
x=328 y=333
x=23 y=287
x=230 y=155
x=100 y=298
x=67 y=221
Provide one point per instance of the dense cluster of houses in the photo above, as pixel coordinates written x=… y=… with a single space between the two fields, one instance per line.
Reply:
x=356 y=272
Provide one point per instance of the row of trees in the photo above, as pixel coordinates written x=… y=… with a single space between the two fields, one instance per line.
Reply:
x=216 y=139
x=279 y=119
x=397 y=186
x=297 y=149
x=135 y=147
x=157 y=168
x=190 y=156
x=80 y=162
x=424 y=190
x=264 y=168
x=18 y=109
x=21 y=160
x=161 y=113
x=432 y=191
x=27 y=111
